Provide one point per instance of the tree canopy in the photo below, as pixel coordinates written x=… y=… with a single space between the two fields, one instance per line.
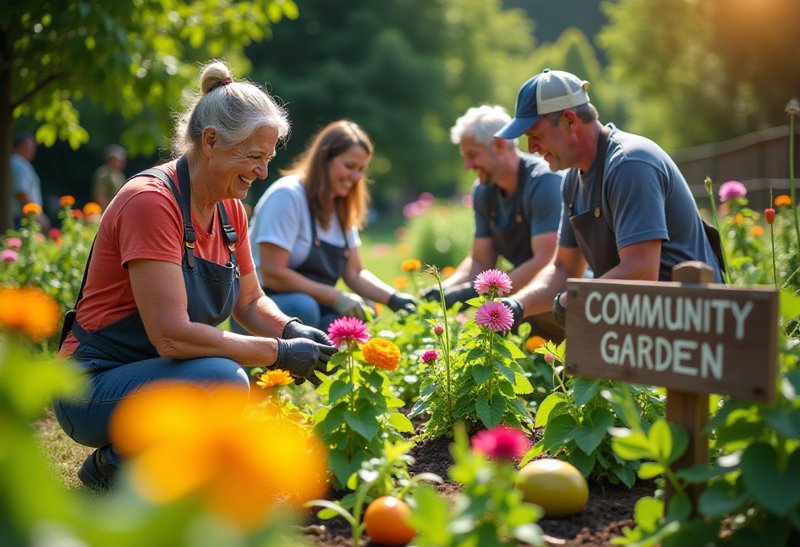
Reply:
x=135 y=58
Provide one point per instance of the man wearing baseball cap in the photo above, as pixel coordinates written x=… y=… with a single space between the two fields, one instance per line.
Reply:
x=626 y=209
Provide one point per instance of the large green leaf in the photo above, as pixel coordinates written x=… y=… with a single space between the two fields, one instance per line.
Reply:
x=583 y=389
x=490 y=412
x=591 y=433
x=363 y=423
x=550 y=403
x=766 y=482
x=559 y=430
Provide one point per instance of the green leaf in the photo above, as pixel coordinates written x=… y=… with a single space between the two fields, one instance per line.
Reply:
x=650 y=470
x=431 y=517
x=766 y=482
x=583 y=462
x=634 y=446
x=401 y=423
x=334 y=419
x=784 y=421
x=588 y=437
x=490 y=413
x=481 y=373
x=680 y=508
x=550 y=403
x=338 y=390
x=522 y=385
x=680 y=441
x=583 y=390
x=332 y=507
x=660 y=438
x=626 y=475
x=648 y=512
x=720 y=499
x=559 y=430
x=363 y=423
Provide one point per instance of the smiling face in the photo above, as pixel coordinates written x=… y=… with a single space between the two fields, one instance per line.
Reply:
x=238 y=165
x=552 y=142
x=479 y=158
x=346 y=169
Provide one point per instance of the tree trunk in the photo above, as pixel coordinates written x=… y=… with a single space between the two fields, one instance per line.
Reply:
x=6 y=123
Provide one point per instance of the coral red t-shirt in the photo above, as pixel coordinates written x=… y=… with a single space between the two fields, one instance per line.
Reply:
x=144 y=221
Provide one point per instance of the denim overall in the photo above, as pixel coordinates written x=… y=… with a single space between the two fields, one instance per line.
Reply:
x=119 y=357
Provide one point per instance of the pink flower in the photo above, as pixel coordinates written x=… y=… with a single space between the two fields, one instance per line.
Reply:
x=493 y=282
x=14 y=243
x=494 y=315
x=9 y=255
x=429 y=356
x=347 y=331
x=731 y=190
x=549 y=357
x=501 y=443
x=438 y=329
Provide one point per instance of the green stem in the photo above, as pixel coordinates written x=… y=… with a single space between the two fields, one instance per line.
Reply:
x=351 y=369
x=710 y=193
x=791 y=177
x=489 y=363
x=446 y=349
x=774 y=268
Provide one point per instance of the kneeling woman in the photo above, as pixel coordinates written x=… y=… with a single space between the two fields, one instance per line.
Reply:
x=304 y=232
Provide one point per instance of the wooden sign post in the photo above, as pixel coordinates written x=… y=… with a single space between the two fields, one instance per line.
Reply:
x=689 y=336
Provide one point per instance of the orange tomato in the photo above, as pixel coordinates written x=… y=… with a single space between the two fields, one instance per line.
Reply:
x=385 y=519
x=557 y=486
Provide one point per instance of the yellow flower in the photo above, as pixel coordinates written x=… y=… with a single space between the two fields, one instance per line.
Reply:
x=29 y=310
x=184 y=440
x=756 y=231
x=411 y=265
x=783 y=200
x=400 y=282
x=66 y=201
x=92 y=208
x=273 y=378
x=447 y=271
x=31 y=208
x=534 y=342
x=382 y=353
x=738 y=219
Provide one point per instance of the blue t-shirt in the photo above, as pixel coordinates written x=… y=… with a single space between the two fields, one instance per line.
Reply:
x=645 y=197
x=541 y=204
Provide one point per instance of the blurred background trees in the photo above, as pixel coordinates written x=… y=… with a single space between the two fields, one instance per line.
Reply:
x=683 y=72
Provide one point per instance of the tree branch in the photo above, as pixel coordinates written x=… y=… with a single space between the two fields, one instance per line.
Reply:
x=38 y=87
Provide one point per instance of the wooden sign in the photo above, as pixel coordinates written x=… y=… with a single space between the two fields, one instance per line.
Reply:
x=692 y=338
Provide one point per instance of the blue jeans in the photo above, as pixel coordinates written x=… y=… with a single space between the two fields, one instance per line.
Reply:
x=302 y=306
x=85 y=417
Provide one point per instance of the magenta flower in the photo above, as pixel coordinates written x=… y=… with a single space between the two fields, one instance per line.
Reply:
x=429 y=356
x=493 y=282
x=9 y=256
x=501 y=443
x=549 y=357
x=347 y=331
x=731 y=190
x=14 y=243
x=438 y=329
x=494 y=315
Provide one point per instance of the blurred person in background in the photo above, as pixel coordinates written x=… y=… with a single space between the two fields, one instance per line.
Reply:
x=170 y=262
x=627 y=210
x=25 y=181
x=109 y=177
x=517 y=204
x=305 y=232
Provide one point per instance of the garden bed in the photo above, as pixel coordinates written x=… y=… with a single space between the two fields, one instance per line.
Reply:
x=609 y=510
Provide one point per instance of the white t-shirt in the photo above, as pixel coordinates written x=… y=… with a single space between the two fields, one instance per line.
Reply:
x=281 y=217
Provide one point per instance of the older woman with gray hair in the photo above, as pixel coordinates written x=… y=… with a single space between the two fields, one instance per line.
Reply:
x=171 y=261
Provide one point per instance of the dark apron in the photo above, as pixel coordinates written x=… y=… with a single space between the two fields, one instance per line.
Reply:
x=325 y=262
x=596 y=240
x=513 y=242
x=211 y=289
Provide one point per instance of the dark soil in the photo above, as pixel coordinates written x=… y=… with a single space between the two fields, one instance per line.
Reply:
x=609 y=510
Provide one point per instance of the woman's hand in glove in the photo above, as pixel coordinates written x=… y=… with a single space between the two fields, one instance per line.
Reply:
x=350 y=305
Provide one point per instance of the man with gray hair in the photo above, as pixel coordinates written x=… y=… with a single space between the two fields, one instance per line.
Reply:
x=517 y=204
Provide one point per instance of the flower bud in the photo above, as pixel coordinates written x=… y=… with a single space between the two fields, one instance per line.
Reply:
x=769 y=214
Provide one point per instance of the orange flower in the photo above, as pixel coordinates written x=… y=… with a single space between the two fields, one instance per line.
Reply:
x=403 y=248
x=400 y=282
x=382 y=353
x=447 y=271
x=66 y=201
x=756 y=231
x=411 y=265
x=534 y=342
x=184 y=440
x=738 y=219
x=273 y=378
x=783 y=200
x=92 y=208
x=29 y=310
x=31 y=208
x=77 y=213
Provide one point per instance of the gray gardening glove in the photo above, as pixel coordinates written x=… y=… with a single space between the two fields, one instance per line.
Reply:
x=431 y=293
x=402 y=301
x=459 y=293
x=350 y=305
x=301 y=357
x=296 y=329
